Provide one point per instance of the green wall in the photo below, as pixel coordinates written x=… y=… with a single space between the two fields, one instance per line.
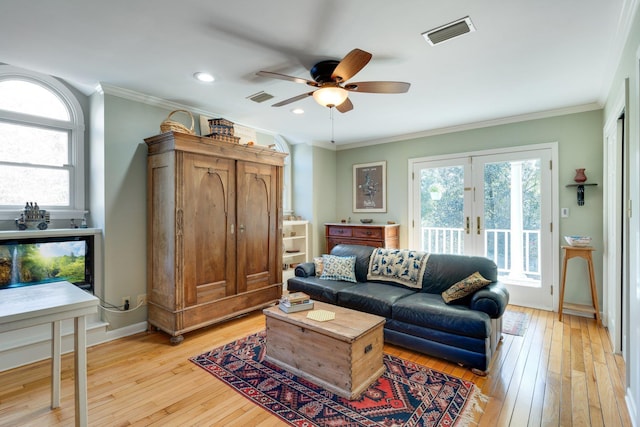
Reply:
x=579 y=139
x=314 y=178
x=118 y=197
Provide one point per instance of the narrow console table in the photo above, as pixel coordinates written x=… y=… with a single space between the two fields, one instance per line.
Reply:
x=51 y=303
x=580 y=252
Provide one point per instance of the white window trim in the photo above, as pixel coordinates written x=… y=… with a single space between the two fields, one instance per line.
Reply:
x=283 y=146
x=75 y=126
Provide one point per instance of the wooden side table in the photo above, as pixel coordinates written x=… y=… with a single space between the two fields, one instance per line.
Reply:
x=581 y=252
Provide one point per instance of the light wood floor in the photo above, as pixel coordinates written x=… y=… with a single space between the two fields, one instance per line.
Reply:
x=558 y=374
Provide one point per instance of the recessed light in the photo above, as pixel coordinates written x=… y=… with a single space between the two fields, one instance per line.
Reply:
x=203 y=77
x=297 y=111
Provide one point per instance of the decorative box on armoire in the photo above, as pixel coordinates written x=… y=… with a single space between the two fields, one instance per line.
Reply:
x=214 y=237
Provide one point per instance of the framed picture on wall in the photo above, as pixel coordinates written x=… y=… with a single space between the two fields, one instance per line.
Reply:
x=370 y=187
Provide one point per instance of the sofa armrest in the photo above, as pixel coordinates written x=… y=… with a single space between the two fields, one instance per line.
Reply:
x=492 y=299
x=306 y=269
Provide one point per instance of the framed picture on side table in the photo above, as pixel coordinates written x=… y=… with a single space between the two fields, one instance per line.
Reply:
x=370 y=187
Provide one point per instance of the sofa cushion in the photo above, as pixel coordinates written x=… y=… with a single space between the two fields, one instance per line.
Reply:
x=370 y=297
x=362 y=254
x=318 y=263
x=317 y=289
x=444 y=269
x=401 y=266
x=430 y=311
x=464 y=287
x=338 y=268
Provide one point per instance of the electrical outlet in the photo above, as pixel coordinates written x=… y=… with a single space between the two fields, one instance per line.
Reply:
x=142 y=300
x=124 y=301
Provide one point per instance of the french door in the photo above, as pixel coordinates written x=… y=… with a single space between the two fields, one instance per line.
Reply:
x=495 y=205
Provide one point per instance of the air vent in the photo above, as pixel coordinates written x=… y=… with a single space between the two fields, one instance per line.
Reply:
x=260 y=97
x=449 y=31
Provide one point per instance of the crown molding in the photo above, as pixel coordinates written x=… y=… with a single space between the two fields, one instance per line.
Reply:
x=148 y=99
x=477 y=125
x=163 y=103
x=105 y=88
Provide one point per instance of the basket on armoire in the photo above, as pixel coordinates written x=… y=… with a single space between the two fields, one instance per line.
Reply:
x=169 y=125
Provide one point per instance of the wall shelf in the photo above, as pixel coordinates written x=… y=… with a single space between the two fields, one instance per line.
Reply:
x=580 y=190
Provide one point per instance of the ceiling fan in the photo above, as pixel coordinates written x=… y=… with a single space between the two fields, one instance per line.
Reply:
x=330 y=80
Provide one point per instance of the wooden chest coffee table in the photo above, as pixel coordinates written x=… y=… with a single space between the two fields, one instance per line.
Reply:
x=343 y=355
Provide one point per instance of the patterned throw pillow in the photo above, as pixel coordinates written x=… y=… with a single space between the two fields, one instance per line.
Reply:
x=339 y=268
x=465 y=287
x=319 y=264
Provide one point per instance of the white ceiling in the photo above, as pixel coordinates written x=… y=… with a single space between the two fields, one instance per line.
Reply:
x=525 y=57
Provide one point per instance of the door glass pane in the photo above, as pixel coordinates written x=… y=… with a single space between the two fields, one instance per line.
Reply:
x=512 y=219
x=442 y=209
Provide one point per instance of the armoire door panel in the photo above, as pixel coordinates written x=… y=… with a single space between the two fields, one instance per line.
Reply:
x=207 y=240
x=257 y=225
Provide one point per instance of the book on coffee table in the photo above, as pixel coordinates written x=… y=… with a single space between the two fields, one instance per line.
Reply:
x=295 y=298
x=296 y=307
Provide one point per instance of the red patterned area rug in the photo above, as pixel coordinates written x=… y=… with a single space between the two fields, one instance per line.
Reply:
x=407 y=394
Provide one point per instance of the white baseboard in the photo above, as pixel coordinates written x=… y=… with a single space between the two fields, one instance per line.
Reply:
x=31 y=345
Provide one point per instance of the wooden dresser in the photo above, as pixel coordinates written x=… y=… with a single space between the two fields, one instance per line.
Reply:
x=376 y=235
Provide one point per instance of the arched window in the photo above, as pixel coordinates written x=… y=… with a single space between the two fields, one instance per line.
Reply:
x=41 y=144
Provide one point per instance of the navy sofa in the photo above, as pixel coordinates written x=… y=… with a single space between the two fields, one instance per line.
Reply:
x=466 y=331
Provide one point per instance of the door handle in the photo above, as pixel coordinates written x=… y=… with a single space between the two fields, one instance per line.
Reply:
x=468 y=227
x=241 y=228
x=478 y=228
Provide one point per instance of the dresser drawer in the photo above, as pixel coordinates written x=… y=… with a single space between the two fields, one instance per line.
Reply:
x=335 y=241
x=368 y=233
x=339 y=231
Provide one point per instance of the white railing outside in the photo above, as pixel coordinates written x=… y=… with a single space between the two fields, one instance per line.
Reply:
x=497 y=247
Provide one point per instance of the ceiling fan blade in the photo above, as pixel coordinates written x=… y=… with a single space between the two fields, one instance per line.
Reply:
x=345 y=106
x=288 y=78
x=294 y=99
x=378 y=87
x=350 y=65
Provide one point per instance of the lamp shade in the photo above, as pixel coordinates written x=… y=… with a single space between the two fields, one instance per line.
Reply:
x=330 y=96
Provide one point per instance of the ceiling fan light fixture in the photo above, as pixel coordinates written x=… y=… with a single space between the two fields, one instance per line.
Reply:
x=330 y=96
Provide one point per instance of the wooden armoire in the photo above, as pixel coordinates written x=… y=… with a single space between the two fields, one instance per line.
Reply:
x=214 y=237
